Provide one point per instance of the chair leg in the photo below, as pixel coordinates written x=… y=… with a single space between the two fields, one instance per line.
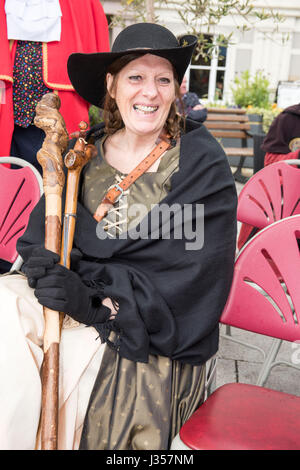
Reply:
x=211 y=376
x=228 y=330
x=284 y=363
x=270 y=362
x=267 y=365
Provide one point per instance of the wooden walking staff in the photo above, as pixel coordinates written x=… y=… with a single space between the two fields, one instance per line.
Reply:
x=74 y=160
x=49 y=156
x=50 y=120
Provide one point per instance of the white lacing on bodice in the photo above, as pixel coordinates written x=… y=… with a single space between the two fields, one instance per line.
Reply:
x=117 y=215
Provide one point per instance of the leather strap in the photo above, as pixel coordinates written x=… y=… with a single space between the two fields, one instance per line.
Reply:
x=116 y=191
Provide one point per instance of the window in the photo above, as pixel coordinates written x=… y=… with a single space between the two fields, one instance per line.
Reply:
x=110 y=19
x=206 y=78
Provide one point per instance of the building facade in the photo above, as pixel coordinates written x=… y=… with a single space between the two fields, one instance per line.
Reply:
x=259 y=49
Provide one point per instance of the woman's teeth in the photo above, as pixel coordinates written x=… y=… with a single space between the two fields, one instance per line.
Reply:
x=145 y=109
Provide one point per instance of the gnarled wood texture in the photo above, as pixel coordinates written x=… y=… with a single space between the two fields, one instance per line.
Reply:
x=49 y=156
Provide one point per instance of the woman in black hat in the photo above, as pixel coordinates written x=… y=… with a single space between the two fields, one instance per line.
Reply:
x=156 y=229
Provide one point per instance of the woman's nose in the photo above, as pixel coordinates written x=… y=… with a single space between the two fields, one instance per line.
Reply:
x=150 y=88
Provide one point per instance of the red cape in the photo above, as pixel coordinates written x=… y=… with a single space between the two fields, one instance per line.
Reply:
x=84 y=29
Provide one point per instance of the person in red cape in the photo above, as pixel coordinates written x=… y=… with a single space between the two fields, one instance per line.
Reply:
x=70 y=26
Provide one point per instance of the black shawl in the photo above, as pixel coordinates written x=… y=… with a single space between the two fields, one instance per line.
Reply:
x=170 y=298
x=284 y=128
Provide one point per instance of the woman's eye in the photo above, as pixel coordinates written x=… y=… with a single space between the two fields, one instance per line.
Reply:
x=135 y=78
x=164 y=80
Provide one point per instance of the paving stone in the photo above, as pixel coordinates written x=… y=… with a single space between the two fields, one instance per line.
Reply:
x=239 y=363
x=226 y=371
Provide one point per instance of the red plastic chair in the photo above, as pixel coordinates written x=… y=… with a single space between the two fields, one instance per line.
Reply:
x=242 y=416
x=271 y=194
x=20 y=190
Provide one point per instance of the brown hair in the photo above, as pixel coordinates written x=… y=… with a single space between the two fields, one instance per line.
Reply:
x=111 y=115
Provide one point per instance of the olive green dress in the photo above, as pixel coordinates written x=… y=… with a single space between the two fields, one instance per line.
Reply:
x=133 y=405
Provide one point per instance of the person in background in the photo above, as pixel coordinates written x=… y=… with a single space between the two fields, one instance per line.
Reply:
x=189 y=105
x=282 y=142
x=36 y=39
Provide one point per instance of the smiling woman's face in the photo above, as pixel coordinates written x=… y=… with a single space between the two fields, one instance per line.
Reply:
x=144 y=92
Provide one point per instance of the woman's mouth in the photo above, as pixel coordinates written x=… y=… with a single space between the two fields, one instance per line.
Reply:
x=145 y=109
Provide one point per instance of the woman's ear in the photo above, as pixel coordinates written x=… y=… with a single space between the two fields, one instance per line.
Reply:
x=109 y=84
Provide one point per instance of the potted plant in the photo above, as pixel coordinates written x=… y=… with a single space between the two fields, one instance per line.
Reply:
x=253 y=93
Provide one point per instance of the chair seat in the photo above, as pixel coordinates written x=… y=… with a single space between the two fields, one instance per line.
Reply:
x=244 y=417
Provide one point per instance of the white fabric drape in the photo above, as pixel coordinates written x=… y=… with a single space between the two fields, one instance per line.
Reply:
x=33 y=20
x=21 y=356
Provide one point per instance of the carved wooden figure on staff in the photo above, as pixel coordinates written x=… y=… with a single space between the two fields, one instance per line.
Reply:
x=49 y=119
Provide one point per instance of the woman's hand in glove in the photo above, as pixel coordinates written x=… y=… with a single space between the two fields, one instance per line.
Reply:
x=41 y=260
x=62 y=290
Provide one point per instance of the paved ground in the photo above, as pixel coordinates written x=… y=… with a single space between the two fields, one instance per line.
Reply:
x=238 y=363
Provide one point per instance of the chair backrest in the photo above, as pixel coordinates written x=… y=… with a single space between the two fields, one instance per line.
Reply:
x=260 y=300
x=20 y=190
x=271 y=194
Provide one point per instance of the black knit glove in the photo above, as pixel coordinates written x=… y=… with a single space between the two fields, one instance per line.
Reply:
x=62 y=290
x=41 y=260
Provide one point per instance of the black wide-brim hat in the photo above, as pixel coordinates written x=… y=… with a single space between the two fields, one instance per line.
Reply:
x=87 y=72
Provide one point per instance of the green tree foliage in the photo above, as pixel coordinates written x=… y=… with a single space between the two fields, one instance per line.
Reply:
x=202 y=17
x=251 y=91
